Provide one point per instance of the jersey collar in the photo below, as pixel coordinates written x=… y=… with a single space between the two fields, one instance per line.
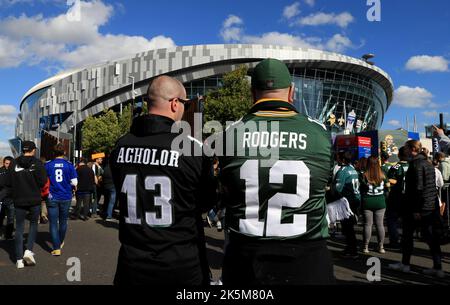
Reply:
x=151 y=124
x=272 y=104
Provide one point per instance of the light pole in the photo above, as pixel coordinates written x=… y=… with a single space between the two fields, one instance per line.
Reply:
x=133 y=96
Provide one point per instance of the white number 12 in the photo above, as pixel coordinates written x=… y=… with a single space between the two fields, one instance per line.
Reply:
x=252 y=225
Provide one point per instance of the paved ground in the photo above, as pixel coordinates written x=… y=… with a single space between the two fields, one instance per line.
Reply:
x=96 y=244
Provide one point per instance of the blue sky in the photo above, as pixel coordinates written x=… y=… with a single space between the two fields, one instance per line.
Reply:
x=411 y=42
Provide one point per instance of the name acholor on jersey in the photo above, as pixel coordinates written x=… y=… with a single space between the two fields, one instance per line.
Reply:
x=264 y=139
x=148 y=156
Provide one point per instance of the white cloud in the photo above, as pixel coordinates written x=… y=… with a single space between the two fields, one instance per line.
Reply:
x=5 y=150
x=409 y=97
x=395 y=123
x=434 y=114
x=7 y=110
x=291 y=11
x=338 y=43
x=35 y=39
x=235 y=33
x=425 y=63
x=276 y=38
x=114 y=47
x=310 y=2
x=342 y=20
x=231 y=29
x=7 y=115
x=231 y=21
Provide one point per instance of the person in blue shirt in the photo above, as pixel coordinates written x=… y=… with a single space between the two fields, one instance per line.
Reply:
x=63 y=179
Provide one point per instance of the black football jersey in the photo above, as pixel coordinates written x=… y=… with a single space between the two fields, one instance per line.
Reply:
x=161 y=193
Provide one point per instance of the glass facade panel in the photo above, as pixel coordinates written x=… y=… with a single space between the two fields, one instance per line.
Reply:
x=30 y=113
x=322 y=95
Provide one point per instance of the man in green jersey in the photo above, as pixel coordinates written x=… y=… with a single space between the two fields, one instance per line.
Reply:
x=396 y=176
x=276 y=213
x=346 y=184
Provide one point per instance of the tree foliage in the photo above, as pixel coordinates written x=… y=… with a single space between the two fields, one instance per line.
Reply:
x=232 y=101
x=100 y=134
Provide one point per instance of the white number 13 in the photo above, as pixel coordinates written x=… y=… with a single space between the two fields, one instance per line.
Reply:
x=163 y=201
x=252 y=225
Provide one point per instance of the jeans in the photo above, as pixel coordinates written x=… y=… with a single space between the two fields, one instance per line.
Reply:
x=21 y=214
x=110 y=194
x=8 y=212
x=85 y=200
x=58 y=212
x=369 y=216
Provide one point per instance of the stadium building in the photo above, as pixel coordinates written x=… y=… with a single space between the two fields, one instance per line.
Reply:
x=338 y=90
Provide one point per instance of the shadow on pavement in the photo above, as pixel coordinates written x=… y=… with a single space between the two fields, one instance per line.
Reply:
x=389 y=277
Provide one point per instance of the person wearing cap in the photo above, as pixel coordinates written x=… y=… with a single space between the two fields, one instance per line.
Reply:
x=276 y=212
x=25 y=181
x=163 y=191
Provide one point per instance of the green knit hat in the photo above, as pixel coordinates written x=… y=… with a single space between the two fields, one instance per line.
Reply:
x=271 y=74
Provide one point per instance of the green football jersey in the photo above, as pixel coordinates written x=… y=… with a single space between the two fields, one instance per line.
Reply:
x=346 y=184
x=398 y=173
x=281 y=195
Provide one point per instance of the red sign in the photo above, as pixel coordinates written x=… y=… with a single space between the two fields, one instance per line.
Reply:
x=353 y=141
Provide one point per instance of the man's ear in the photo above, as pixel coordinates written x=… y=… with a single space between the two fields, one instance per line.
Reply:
x=291 y=93
x=174 y=106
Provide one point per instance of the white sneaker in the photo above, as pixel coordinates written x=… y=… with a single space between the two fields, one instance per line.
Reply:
x=400 y=267
x=381 y=249
x=28 y=257
x=219 y=225
x=20 y=264
x=366 y=250
x=434 y=272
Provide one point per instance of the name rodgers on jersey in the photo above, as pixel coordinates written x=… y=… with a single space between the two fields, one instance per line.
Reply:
x=148 y=156
x=265 y=139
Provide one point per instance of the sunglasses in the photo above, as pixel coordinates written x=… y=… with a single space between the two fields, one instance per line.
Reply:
x=183 y=101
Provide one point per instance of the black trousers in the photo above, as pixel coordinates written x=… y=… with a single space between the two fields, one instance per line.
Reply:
x=277 y=263
x=431 y=227
x=348 y=229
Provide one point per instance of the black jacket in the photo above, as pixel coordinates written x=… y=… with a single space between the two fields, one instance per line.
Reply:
x=161 y=193
x=421 y=190
x=108 y=182
x=25 y=180
x=86 y=179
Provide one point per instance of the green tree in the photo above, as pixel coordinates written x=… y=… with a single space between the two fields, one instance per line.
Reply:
x=125 y=118
x=232 y=101
x=100 y=134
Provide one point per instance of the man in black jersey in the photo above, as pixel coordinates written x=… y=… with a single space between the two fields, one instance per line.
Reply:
x=162 y=192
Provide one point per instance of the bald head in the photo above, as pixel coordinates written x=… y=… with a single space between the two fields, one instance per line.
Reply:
x=163 y=95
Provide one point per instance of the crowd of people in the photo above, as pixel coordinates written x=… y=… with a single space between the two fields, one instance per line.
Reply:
x=42 y=192
x=408 y=192
x=275 y=214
